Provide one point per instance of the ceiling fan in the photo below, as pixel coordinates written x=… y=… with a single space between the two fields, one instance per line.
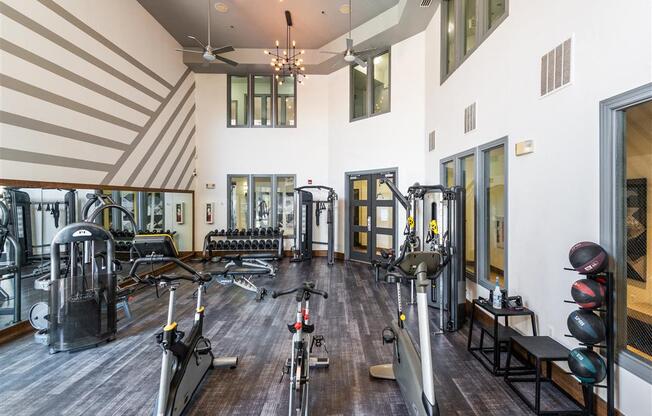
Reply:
x=209 y=53
x=351 y=56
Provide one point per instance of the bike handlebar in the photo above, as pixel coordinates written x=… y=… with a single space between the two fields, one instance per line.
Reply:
x=305 y=288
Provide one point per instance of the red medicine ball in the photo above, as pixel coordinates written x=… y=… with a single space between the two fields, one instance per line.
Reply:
x=588 y=258
x=588 y=293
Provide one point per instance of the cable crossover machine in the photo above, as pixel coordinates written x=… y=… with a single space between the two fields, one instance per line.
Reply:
x=304 y=206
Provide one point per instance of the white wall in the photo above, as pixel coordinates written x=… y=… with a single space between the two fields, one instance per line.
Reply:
x=220 y=150
x=553 y=194
x=394 y=139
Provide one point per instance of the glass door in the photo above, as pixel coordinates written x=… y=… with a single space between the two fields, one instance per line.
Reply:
x=359 y=217
x=371 y=216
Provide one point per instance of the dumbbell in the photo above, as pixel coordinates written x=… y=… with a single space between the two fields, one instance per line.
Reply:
x=233 y=244
x=247 y=245
x=228 y=232
x=235 y=232
x=254 y=244
x=239 y=245
x=243 y=232
x=275 y=244
x=249 y=231
x=220 y=232
x=268 y=244
x=270 y=231
x=256 y=232
x=220 y=245
x=277 y=232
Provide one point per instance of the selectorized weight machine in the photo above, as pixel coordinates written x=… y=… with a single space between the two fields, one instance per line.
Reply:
x=304 y=205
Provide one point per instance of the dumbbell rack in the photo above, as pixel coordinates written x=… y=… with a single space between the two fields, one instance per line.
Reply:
x=213 y=237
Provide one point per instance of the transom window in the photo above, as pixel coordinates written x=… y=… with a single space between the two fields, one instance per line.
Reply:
x=370 y=86
x=261 y=101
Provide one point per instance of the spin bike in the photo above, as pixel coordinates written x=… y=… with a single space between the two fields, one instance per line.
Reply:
x=298 y=366
x=185 y=362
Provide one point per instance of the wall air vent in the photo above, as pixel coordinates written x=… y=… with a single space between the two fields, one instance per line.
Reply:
x=556 y=67
x=426 y=3
x=431 y=141
x=469 y=118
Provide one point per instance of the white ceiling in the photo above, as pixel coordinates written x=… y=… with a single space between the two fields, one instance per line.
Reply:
x=257 y=23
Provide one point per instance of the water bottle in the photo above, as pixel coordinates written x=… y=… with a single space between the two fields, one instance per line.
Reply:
x=498 y=296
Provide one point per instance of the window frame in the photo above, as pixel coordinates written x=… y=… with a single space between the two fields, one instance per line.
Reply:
x=251 y=214
x=480 y=198
x=482 y=32
x=369 y=59
x=612 y=213
x=228 y=102
x=276 y=109
x=272 y=84
x=250 y=102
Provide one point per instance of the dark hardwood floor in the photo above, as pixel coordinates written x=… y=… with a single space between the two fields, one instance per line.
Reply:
x=121 y=378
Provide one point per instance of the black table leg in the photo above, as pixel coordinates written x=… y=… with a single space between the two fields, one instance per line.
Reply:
x=509 y=358
x=468 y=347
x=496 y=347
x=537 y=387
x=534 y=326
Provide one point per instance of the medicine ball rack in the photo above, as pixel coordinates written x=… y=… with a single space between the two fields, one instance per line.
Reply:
x=607 y=313
x=246 y=241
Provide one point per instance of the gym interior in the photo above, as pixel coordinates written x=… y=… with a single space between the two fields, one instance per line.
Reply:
x=333 y=207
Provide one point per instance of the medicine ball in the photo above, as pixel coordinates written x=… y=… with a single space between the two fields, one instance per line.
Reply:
x=586 y=326
x=588 y=258
x=588 y=293
x=587 y=365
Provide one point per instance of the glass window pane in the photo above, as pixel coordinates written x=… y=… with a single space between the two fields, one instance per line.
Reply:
x=285 y=203
x=468 y=179
x=381 y=83
x=359 y=79
x=239 y=188
x=262 y=100
x=383 y=193
x=495 y=209
x=496 y=10
x=285 y=109
x=384 y=242
x=637 y=336
x=360 y=242
x=449 y=174
x=239 y=100
x=360 y=190
x=450 y=36
x=360 y=216
x=384 y=217
x=263 y=201
x=469 y=24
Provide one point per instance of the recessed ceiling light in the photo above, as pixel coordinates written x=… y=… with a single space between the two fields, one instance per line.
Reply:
x=221 y=7
x=345 y=9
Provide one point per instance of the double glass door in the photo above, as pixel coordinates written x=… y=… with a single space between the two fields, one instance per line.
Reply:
x=372 y=216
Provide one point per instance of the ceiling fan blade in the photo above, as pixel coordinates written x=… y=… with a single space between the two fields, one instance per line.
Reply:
x=190 y=51
x=197 y=40
x=365 y=51
x=223 y=49
x=331 y=53
x=349 y=44
x=226 y=60
x=360 y=62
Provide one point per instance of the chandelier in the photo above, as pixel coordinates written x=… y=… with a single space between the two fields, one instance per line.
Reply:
x=288 y=61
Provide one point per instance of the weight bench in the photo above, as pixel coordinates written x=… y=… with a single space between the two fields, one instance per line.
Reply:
x=240 y=270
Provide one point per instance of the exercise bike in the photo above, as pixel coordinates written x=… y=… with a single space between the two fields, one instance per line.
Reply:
x=412 y=372
x=186 y=361
x=298 y=366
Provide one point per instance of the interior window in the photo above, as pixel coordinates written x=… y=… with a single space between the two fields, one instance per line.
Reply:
x=638 y=241
x=359 y=91
x=263 y=201
x=494 y=185
x=262 y=100
x=450 y=36
x=286 y=109
x=239 y=186
x=468 y=180
x=238 y=99
x=285 y=203
x=381 y=83
x=470 y=24
x=496 y=10
x=449 y=173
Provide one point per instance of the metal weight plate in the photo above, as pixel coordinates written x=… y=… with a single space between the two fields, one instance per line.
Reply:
x=38 y=315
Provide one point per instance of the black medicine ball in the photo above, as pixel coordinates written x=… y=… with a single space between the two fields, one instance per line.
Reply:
x=588 y=293
x=587 y=365
x=586 y=326
x=588 y=258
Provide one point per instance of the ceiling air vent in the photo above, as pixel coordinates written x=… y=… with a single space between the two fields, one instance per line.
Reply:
x=556 y=67
x=469 y=118
x=431 y=141
x=426 y=3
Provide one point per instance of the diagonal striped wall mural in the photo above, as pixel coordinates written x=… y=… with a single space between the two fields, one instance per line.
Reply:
x=86 y=100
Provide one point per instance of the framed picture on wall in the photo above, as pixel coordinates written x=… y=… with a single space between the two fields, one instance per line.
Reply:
x=210 y=210
x=178 y=210
x=636 y=223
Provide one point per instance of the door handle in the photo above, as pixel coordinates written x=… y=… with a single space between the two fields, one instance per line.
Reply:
x=369 y=223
